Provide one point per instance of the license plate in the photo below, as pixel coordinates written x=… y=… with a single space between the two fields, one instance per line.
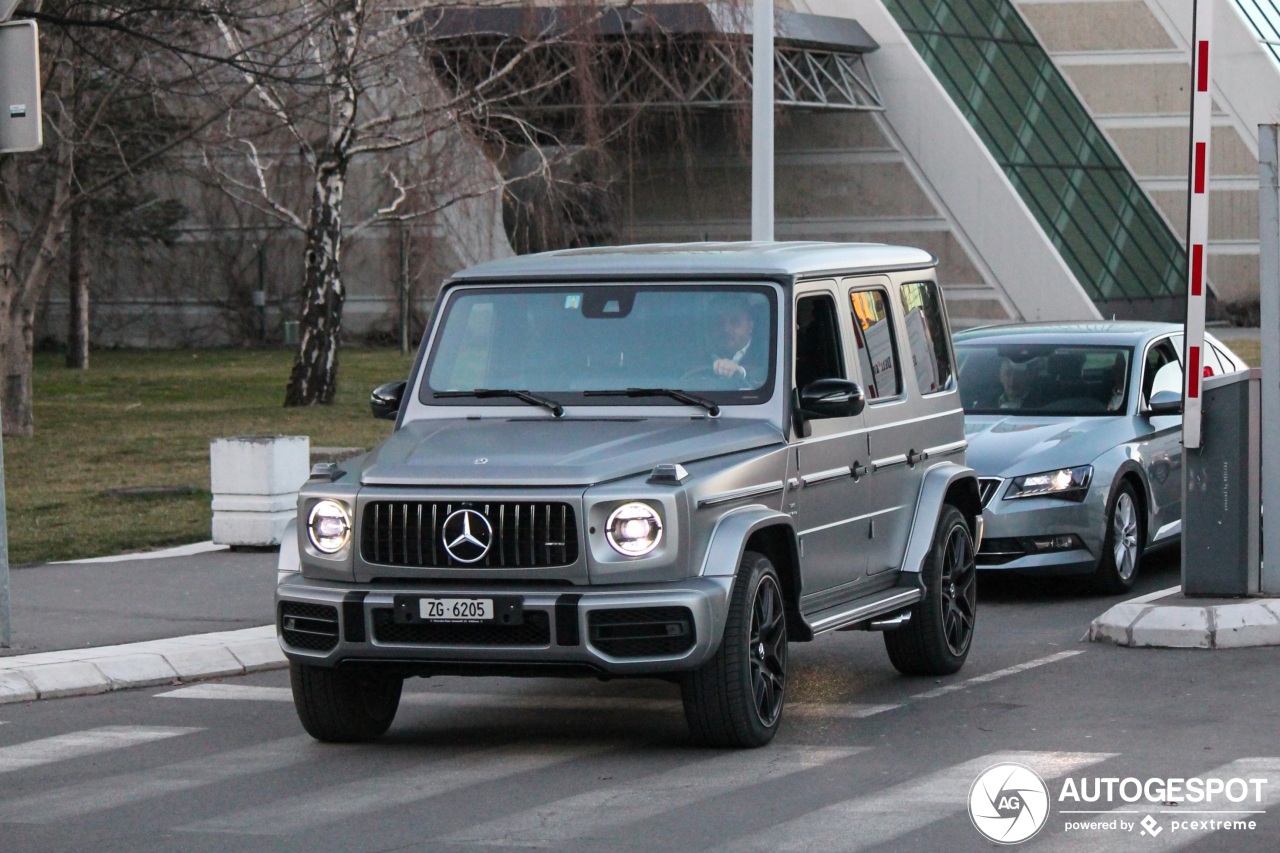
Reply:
x=498 y=610
x=455 y=609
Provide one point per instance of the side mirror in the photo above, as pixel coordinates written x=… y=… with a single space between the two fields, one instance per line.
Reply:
x=385 y=400
x=832 y=398
x=1165 y=403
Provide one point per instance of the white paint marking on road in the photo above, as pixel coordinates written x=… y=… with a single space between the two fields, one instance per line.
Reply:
x=524 y=702
x=600 y=813
x=230 y=691
x=864 y=822
x=304 y=812
x=1164 y=835
x=993 y=676
x=126 y=789
x=80 y=744
x=163 y=554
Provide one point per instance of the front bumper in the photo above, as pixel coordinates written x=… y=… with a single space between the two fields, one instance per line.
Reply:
x=1012 y=527
x=334 y=623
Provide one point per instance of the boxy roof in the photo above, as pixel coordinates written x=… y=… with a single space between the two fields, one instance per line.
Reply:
x=701 y=261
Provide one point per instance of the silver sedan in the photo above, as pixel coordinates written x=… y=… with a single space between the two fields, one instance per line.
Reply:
x=1080 y=469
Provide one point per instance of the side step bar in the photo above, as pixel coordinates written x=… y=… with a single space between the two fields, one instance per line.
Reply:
x=842 y=616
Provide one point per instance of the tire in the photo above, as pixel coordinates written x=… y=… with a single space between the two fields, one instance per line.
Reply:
x=736 y=698
x=352 y=705
x=937 y=639
x=1123 y=545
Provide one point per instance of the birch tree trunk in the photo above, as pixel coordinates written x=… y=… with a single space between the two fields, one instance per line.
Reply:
x=315 y=368
x=314 y=377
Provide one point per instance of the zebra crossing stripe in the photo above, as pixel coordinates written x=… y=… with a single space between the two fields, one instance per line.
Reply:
x=602 y=810
x=524 y=702
x=24 y=756
x=448 y=772
x=1195 y=821
x=864 y=822
x=98 y=795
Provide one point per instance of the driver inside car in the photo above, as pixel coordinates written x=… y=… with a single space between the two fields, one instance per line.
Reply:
x=731 y=353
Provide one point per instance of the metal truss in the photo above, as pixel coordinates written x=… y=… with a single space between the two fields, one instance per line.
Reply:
x=642 y=75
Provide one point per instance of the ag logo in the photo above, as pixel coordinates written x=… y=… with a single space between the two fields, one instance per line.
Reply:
x=1008 y=803
x=467 y=535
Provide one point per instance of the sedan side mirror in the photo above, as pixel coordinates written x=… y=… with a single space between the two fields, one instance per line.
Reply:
x=1165 y=403
x=385 y=400
x=832 y=398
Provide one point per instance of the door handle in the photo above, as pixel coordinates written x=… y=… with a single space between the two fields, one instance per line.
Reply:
x=913 y=458
x=858 y=471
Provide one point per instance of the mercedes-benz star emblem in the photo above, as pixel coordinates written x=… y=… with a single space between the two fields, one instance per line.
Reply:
x=467 y=536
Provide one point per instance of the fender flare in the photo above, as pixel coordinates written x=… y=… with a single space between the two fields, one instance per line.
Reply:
x=288 y=563
x=729 y=542
x=938 y=484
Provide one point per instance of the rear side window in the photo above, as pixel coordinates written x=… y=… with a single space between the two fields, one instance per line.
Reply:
x=927 y=336
x=877 y=351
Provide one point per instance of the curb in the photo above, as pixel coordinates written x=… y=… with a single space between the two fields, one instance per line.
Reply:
x=176 y=551
x=84 y=672
x=1143 y=623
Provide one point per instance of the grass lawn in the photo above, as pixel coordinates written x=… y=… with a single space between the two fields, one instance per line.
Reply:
x=138 y=419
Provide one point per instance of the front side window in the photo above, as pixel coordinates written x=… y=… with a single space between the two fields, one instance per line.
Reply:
x=713 y=341
x=877 y=354
x=1044 y=379
x=818 y=347
x=927 y=336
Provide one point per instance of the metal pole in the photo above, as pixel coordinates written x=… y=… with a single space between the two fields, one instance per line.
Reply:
x=762 y=121
x=6 y=633
x=1269 y=296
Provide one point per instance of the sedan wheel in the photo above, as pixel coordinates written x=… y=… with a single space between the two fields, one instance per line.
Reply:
x=1124 y=544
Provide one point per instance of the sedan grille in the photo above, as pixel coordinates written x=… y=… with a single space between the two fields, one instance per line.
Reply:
x=987 y=488
x=520 y=536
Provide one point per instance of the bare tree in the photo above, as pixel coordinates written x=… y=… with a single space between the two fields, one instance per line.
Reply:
x=110 y=104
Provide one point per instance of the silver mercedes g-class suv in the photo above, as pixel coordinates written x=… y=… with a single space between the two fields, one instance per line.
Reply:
x=662 y=461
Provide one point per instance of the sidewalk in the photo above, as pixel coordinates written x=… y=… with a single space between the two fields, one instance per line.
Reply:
x=136 y=620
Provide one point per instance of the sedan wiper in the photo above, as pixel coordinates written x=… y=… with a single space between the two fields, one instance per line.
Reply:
x=673 y=393
x=525 y=396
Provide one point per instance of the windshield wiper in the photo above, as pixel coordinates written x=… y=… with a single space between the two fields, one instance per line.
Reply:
x=673 y=393
x=484 y=393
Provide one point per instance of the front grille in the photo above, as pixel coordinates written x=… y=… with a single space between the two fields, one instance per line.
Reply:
x=309 y=626
x=987 y=488
x=641 y=632
x=523 y=535
x=534 y=631
x=995 y=552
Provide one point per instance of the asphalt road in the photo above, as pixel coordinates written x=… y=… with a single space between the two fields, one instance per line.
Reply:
x=866 y=759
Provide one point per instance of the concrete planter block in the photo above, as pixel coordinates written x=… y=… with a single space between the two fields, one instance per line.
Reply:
x=255 y=480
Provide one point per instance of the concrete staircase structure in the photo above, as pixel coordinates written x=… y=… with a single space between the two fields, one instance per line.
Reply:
x=1130 y=62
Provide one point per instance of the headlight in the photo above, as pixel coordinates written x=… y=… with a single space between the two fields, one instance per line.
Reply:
x=633 y=530
x=329 y=527
x=1068 y=483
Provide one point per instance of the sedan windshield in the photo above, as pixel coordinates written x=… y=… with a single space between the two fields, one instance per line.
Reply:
x=714 y=342
x=1043 y=379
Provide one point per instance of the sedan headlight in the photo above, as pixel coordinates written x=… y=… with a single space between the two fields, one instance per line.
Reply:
x=329 y=527
x=633 y=529
x=1067 y=483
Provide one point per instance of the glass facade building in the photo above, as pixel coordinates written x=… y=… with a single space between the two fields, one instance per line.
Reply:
x=1106 y=228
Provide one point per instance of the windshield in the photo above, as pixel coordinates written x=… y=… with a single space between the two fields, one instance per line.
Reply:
x=1043 y=379
x=560 y=342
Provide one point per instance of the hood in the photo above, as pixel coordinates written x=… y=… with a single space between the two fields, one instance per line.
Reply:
x=1002 y=446
x=552 y=452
